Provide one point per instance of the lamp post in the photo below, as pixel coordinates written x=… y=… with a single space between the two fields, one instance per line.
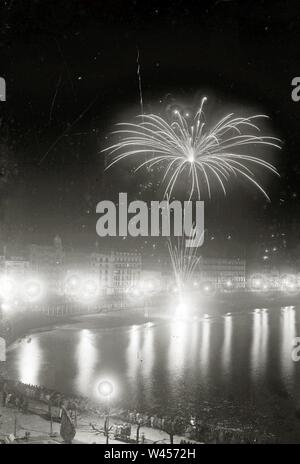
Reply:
x=105 y=389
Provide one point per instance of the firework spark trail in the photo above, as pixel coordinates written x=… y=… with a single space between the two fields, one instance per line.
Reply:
x=54 y=98
x=68 y=129
x=184 y=260
x=204 y=152
x=138 y=71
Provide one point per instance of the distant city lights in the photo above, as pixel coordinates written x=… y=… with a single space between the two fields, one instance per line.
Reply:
x=84 y=288
x=87 y=288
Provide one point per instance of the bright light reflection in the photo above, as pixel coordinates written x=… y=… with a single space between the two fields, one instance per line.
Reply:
x=133 y=354
x=147 y=362
x=148 y=350
x=181 y=310
x=260 y=334
x=30 y=360
x=288 y=333
x=226 y=350
x=178 y=344
x=86 y=356
x=205 y=346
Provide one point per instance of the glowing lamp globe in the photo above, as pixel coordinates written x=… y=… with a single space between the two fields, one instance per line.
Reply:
x=33 y=290
x=72 y=284
x=105 y=388
x=90 y=288
x=6 y=287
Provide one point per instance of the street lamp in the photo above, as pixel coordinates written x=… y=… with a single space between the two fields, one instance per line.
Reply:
x=105 y=389
x=33 y=290
x=89 y=291
x=72 y=285
x=7 y=287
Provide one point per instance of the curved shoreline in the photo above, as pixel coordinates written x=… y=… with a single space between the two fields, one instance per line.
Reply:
x=122 y=317
x=217 y=307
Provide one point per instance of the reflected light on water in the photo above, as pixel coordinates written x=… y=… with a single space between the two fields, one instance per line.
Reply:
x=148 y=351
x=134 y=355
x=30 y=358
x=288 y=333
x=171 y=362
x=260 y=334
x=148 y=357
x=86 y=357
x=226 y=351
x=204 y=349
x=181 y=310
x=265 y=337
x=178 y=344
x=194 y=340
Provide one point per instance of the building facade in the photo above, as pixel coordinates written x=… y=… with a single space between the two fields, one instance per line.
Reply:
x=101 y=267
x=126 y=270
x=221 y=273
x=114 y=271
x=15 y=266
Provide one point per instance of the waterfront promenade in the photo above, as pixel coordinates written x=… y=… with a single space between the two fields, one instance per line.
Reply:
x=12 y=421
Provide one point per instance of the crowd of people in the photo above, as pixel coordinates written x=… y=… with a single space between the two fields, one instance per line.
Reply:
x=11 y=398
x=17 y=394
x=155 y=422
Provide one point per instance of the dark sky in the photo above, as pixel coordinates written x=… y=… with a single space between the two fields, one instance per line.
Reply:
x=71 y=73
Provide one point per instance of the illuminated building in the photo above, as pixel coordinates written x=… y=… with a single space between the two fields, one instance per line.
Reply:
x=101 y=265
x=126 y=268
x=221 y=273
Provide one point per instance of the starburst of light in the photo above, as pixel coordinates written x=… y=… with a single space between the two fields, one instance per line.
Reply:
x=185 y=145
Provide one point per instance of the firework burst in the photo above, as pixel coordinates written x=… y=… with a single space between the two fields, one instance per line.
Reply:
x=208 y=154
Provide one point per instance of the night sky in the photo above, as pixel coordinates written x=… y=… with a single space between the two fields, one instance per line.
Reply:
x=71 y=74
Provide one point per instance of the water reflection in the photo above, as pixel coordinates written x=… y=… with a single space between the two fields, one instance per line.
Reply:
x=226 y=350
x=194 y=340
x=178 y=344
x=265 y=338
x=288 y=333
x=259 y=351
x=147 y=362
x=148 y=351
x=204 y=347
x=86 y=356
x=29 y=361
x=133 y=353
x=167 y=363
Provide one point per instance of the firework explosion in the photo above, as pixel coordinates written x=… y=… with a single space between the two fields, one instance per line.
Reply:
x=206 y=153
